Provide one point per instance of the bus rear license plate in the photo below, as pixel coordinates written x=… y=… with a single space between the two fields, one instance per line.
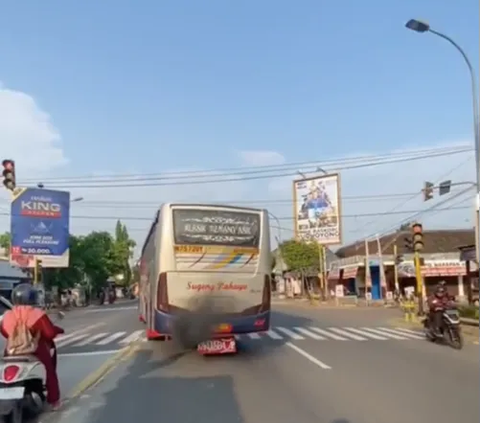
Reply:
x=217 y=346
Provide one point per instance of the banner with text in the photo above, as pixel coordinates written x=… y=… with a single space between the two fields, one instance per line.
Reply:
x=40 y=220
x=318 y=209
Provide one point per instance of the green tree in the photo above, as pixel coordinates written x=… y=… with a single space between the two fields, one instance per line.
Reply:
x=5 y=239
x=300 y=256
x=122 y=253
x=92 y=258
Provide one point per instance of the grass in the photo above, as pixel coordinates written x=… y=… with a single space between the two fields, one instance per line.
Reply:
x=468 y=312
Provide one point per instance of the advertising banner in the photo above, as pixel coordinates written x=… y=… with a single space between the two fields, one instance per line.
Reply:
x=39 y=227
x=317 y=209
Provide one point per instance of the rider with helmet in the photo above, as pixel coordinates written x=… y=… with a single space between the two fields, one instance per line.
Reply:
x=25 y=314
x=436 y=304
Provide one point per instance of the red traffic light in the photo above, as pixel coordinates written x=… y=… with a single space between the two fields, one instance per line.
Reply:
x=9 y=174
x=8 y=164
x=417 y=228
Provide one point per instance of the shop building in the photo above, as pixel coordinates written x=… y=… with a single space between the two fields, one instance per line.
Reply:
x=381 y=266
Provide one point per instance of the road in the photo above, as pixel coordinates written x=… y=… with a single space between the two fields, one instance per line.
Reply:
x=317 y=365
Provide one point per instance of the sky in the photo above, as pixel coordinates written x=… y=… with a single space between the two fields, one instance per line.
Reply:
x=93 y=89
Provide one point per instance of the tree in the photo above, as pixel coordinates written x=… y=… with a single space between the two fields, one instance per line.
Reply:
x=300 y=256
x=5 y=242
x=123 y=252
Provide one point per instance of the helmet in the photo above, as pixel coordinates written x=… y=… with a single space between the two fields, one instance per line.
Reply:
x=441 y=290
x=24 y=294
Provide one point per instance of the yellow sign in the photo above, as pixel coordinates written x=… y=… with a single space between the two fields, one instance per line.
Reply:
x=191 y=249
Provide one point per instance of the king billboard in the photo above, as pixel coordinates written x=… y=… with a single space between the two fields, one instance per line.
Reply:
x=39 y=227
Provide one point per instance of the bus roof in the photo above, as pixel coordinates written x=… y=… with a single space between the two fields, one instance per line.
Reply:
x=214 y=205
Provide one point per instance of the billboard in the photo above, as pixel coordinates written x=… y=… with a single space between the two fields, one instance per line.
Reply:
x=39 y=227
x=317 y=209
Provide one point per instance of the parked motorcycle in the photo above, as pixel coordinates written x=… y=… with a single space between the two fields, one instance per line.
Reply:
x=450 y=331
x=22 y=386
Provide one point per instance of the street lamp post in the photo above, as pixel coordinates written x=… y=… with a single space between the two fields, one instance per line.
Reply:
x=422 y=27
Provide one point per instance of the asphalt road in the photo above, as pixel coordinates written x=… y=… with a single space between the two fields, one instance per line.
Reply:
x=391 y=379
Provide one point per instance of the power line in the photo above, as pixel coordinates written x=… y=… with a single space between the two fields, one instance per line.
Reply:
x=140 y=218
x=413 y=196
x=352 y=161
x=217 y=180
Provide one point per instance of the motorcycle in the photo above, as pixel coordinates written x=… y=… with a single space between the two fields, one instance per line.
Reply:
x=22 y=386
x=450 y=330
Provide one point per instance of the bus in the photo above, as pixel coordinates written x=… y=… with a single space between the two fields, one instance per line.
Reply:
x=211 y=256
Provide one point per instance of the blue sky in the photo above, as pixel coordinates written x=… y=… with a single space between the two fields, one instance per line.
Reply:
x=159 y=85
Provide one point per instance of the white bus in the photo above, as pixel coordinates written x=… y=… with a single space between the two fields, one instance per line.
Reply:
x=196 y=253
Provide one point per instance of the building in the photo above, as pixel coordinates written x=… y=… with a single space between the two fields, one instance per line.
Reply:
x=441 y=254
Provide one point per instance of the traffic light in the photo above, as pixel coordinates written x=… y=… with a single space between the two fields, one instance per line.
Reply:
x=417 y=238
x=444 y=187
x=9 y=174
x=408 y=244
x=428 y=191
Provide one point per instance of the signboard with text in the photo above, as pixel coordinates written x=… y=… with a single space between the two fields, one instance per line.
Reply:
x=39 y=227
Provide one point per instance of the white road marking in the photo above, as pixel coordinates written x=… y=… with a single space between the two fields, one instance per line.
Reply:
x=407 y=335
x=290 y=333
x=132 y=338
x=91 y=339
x=90 y=353
x=310 y=334
x=364 y=333
x=100 y=310
x=348 y=335
x=328 y=334
x=384 y=333
x=308 y=356
x=413 y=332
x=274 y=335
x=111 y=338
x=70 y=341
x=254 y=336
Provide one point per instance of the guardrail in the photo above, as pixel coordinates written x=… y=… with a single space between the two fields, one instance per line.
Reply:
x=469 y=322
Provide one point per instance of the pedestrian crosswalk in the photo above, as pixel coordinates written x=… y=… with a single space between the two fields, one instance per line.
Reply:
x=298 y=333
x=276 y=333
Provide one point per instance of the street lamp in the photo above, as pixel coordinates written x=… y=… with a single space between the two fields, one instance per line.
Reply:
x=421 y=27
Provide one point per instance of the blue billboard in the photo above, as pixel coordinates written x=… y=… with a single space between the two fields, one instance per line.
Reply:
x=40 y=220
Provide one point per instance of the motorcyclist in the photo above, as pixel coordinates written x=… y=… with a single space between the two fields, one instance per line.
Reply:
x=436 y=304
x=24 y=299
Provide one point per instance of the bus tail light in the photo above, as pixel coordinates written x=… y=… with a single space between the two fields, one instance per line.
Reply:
x=162 y=293
x=266 y=295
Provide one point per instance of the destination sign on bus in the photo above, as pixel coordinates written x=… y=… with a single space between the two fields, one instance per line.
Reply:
x=216 y=227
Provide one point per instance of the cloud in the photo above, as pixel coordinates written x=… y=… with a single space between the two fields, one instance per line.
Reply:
x=28 y=135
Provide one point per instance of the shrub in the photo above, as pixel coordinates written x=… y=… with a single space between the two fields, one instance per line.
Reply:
x=469 y=312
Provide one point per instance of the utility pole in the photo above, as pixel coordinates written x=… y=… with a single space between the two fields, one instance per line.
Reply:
x=395 y=268
x=368 y=280
x=418 y=245
x=383 y=284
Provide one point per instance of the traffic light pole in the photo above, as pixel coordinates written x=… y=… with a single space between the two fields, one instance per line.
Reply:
x=418 y=274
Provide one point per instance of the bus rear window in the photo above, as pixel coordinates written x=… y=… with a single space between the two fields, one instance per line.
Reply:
x=216 y=227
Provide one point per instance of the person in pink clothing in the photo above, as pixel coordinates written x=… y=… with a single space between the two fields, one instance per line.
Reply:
x=24 y=297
